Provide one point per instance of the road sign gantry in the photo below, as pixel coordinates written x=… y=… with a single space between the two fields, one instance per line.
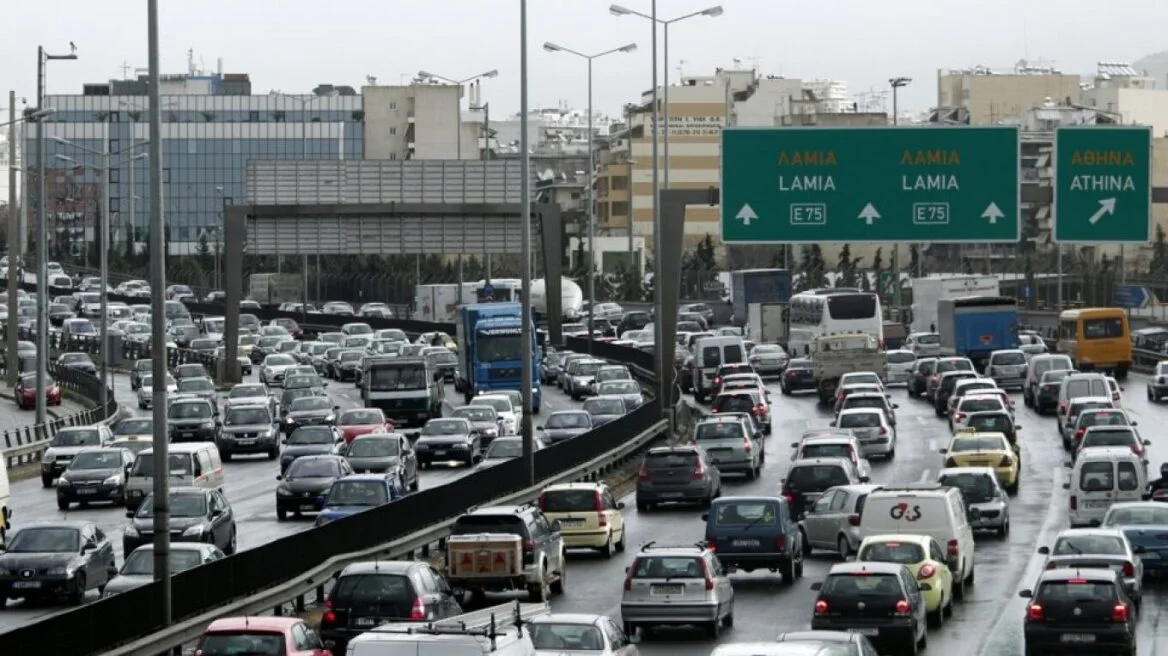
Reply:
x=870 y=184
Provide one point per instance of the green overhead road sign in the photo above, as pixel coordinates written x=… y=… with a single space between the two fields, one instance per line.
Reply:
x=1103 y=184
x=884 y=184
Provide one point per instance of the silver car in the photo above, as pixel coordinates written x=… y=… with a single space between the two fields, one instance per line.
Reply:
x=900 y=366
x=982 y=493
x=275 y=367
x=628 y=391
x=1099 y=548
x=146 y=390
x=923 y=344
x=138 y=570
x=832 y=443
x=870 y=425
x=769 y=359
x=730 y=446
x=677 y=586
x=1008 y=368
x=833 y=521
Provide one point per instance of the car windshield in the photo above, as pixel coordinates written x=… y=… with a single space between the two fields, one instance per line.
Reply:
x=860 y=420
x=361 y=417
x=444 y=427
x=195 y=385
x=357 y=493
x=604 y=406
x=247 y=392
x=45 y=539
x=1137 y=516
x=279 y=359
x=141 y=562
x=826 y=451
x=77 y=437
x=504 y=449
x=817 y=476
x=351 y=356
x=991 y=422
x=311 y=435
x=373 y=447
x=975 y=488
x=619 y=387
x=134 y=426
x=667 y=567
x=499 y=404
x=568 y=420
x=1008 y=359
x=97 y=460
x=246 y=416
x=561 y=636
x=981 y=404
x=300 y=381
x=1108 y=437
x=189 y=411
x=1095 y=545
x=313 y=468
x=905 y=553
x=241 y=643
x=310 y=404
x=718 y=430
x=385 y=377
x=966 y=444
x=181 y=505
x=474 y=414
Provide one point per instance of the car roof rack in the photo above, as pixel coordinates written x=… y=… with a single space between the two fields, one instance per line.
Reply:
x=653 y=545
x=490 y=623
x=911 y=487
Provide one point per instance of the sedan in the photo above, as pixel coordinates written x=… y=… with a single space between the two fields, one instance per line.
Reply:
x=565 y=424
x=56 y=559
x=384 y=453
x=78 y=361
x=303 y=485
x=483 y=418
x=196 y=515
x=604 y=409
x=443 y=440
x=310 y=441
x=358 y=493
x=274 y=367
x=628 y=391
x=95 y=476
x=1145 y=523
x=769 y=359
x=362 y=421
x=309 y=411
x=138 y=570
x=25 y=391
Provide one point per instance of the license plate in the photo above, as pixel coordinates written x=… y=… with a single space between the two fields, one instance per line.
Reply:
x=186 y=434
x=25 y=585
x=571 y=522
x=667 y=589
x=86 y=491
x=1096 y=504
x=308 y=506
x=440 y=453
x=364 y=621
x=247 y=442
x=865 y=632
x=745 y=543
x=1077 y=637
x=671 y=495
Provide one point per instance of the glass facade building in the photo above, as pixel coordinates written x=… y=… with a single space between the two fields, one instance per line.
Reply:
x=207 y=141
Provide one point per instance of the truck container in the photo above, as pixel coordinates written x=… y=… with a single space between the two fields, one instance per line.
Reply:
x=758 y=286
x=275 y=288
x=975 y=326
x=439 y=303
x=927 y=292
x=832 y=356
x=766 y=323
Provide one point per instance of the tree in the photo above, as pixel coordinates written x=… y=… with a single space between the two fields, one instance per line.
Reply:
x=1159 y=252
x=705 y=255
x=203 y=251
x=914 y=259
x=878 y=262
x=846 y=268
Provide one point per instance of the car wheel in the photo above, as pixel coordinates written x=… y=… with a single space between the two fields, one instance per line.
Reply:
x=620 y=544
x=77 y=596
x=609 y=549
x=843 y=547
x=936 y=618
x=232 y=543
x=46 y=481
x=281 y=514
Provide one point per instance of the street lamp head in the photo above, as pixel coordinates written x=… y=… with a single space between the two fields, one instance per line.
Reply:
x=551 y=47
x=61 y=140
x=140 y=156
x=39 y=114
x=713 y=12
x=617 y=10
x=898 y=82
x=632 y=47
x=494 y=72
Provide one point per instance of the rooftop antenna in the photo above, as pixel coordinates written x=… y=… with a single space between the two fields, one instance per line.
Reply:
x=125 y=69
x=680 y=65
x=371 y=80
x=191 y=61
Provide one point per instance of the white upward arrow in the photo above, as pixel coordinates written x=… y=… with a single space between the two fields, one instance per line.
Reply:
x=1106 y=206
x=746 y=214
x=993 y=213
x=869 y=213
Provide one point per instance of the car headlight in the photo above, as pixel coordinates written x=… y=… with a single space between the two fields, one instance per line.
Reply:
x=131 y=532
x=207 y=424
x=48 y=455
x=283 y=491
x=290 y=420
x=63 y=482
x=491 y=432
x=193 y=531
x=116 y=479
x=330 y=418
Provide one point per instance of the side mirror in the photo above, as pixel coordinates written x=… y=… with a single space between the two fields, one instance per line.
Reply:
x=1068 y=464
x=1147 y=443
x=794 y=445
x=1026 y=594
x=279 y=477
x=1066 y=486
x=895 y=406
x=129 y=514
x=943 y=450
x=1017 y=428
x=924 y=587
x=817 y=586
x=705 y=516
x=620 y=505
x=1044 y=550
x=1135 y=423
x=556 y=526
x=864 y=479
x=216 y=512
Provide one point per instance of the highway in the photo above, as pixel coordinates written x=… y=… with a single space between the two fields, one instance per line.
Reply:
x=12 y=417
x=250 y=487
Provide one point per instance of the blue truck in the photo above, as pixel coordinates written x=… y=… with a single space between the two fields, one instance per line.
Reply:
x=491 y=353
x=750 y=286
x=975 y=326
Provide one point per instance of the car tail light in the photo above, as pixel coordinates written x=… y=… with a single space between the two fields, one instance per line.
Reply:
x=747 y=446
x=781 y=542
x=529 y=546
x=902 y=607
x=761 y=410
x=790 y=374
x=934 y=378
x=643 y=473
x=542 y=502
x=786 y=492
x=927 y=571
x=418 y=610
x=1034 y=613
x=953 y=548
x=713 y=411
x=1048 y=388
x=1005 y=462
x=1062 y=406
x=629 y=580
x=706 y=575
x=1129 y=570
x=854 y=520
x=700 y=471
x=1119 y=613
x=718 y=380
x=330 y=616
x=1079 y=433
x=601 y=518
x=950 y=462
x=1074 y=502
x=883 y=431
x=1051 y=565
x=821 y=607
x=959 y=416
x=712 y=544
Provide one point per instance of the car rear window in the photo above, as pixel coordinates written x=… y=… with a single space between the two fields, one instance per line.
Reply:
x=372 y=589
x=1076 y=591
x=746 y=513
x=669 y=460
x=1095 y=545
x=900 y=357
x=1117 y=418
x=471 y=524
x=232 y=643
x=734 y=403
x=905 y=553
x=954 y=365
x=826 y=451
x=1009 y=359
x=1102 y=328
x=568 y=501
x=859 y=420
x=667 y=567
x=981 y=405
x=863 y=584
x=1096 y=477
x=1109 y=437
x=975 y=488
x=817 y=476
x=1077 y=408
x=721 y=430
x=1093 y=387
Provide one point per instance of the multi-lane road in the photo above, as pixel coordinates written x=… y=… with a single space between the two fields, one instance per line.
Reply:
x=250 y=487
x=12 y=417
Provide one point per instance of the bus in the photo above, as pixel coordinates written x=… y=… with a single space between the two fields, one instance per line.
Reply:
x=1097 y=339
x=825 y=311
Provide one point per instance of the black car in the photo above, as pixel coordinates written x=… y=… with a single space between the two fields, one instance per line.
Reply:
x=444 y=362
x=249 y=429
x=945 y=389
x=311 y=441
x=1079 y=611
x=140 y=369
x=483 y=418
x=59 y=312
x=879 y=600
x=376 y=453
x=78 y=361
x=918 y=379
x=192 y=420
x=347 y=364
x=51 y=560
x=447 y=439
x=196 y=515
x=289 y=396
x=95 y=476
x=305 y=481
x=190 y=370
x=1047 y=393
x=797 y=377
x=368 y=594
x=309 y=411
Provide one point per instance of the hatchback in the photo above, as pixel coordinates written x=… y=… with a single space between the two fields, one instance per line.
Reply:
x=731 y=447
x=870 y=426
x=918 y=378
x=833 y=521
x=1084 y=611
x=1098 y=548
x=677 y=586
x=901 y=363
x=590 y=517
x=809 y=479
x=678 y=474
x=879 y=600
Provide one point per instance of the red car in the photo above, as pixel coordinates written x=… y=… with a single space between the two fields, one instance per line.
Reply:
x=278 y=636
x=25 y=392
x=362 y=421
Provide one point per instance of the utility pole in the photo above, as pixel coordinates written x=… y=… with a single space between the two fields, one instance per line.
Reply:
x=14 y=249
x=896 y=83
x=526 y=342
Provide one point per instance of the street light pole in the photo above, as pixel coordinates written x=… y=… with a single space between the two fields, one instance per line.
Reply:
x=897 y=83
x=526 y=341
x=627 y=48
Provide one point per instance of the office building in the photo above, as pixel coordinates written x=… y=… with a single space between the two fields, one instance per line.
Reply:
x=981 y=96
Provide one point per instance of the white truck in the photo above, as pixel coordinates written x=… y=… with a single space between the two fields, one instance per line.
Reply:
x=275 y=288
x=832 y=356
x=927 y=292
x=766 y=323
x=439 y=303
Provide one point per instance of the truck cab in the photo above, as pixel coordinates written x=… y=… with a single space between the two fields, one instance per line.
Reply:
x=490 y=348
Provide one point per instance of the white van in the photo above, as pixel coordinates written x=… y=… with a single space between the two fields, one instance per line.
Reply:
x=1039 y=365
x=5 y=502
x=493 y=631
x=711 y=353
x=925 y=509
x=1100 y=477
x=192 y=464
x=1077 y=385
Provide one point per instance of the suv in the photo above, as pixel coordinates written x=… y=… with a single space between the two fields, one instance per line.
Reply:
x=196 y=515
x=368 y=594
x=918 y=377
x=543 y=551
x=66 y=444
x=1158 y=382
x=249 y=429
x=750 y=533
x=731 y=446
x=192 y=420
x=879 y=600
x=674 y=585
x=809 y=478
x=1089 y=608
x=676 y=474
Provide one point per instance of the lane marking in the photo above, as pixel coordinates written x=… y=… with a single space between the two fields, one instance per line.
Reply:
x=924 y=476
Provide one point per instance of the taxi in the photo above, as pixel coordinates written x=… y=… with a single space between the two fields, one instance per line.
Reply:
x=984 y=449
x=923 y=556
x=589 y=516
x=437 y=339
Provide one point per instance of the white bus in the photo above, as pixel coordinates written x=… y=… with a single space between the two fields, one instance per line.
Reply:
x=826 y=311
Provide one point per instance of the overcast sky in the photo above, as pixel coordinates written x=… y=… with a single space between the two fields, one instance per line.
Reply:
x=293 y=45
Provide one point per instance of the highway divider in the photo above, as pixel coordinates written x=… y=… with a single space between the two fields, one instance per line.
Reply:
x=285 y=570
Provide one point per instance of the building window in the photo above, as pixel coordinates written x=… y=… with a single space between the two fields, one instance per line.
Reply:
x=115 y=145
x=115 y=176
x=115 y=117
x=392 y=130
x=166 y=175
x=393 y=105
x=393 y=156
x=253 y=117
x=115 y=204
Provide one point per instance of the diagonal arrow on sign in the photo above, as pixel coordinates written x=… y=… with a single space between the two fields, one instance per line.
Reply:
x=1106 y=206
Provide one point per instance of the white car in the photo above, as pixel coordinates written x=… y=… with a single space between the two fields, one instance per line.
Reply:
x=274 y=367
x=900 y=366
x=974 y=402
x=504 y=408
x=146 y=390
x=1116 y=391
x=861 y=378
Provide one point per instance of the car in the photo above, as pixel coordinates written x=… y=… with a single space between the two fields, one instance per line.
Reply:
x=192 y=420
x=195 y=515
x=249 y=429
x=676 y=474
x=134 y=434
x=629 y=391
x=589 y=516
x=876 y=400
x=879 y=600
x=991 y=450
x=309 y=411
x=975 y=402
x=994 y=421
x=749 y=401
x=948 y=381
x=603 y=409
x=924 y=344
x=581 y=378
x=483 y=418
x=202 y=388
x=146 y=390
x=871 y=427
x=252 y=394
x=970 y=386
x=768 y=360
x=832 y=522
x=1158 y=382
x=797 y=377
x=1087 y=610
x=1143 y=523
x=808 y=479
x=544 y=560
x=54 y=560
x=919 y=374
x=95 y=475
x=78 y=362
x=385 y=453
x=1111 y=436
x=140 y=368
x=138 y=568
x=940 y=367
x=278 y=636
x=274 y=367
x=1007 y=367
x=983 y=492
x=357 y=493
x=506 y=410
x=190 y=370
x=925 y=560
x=832 y=443
x=564 y=425
x=362 y=421
x=25 y=392
x=444 y=439
x=571 y=633
x=310 y=441
x=506 y=448
x=1105 y=548
x=844 y=391
x=1069 y=419
x=755 y=532
x=66 y=444
x=730 y=446
x=677 y=585
x=303 y=484
x=369 y=593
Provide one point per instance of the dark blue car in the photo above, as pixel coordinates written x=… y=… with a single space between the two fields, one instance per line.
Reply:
x=358 y=493
x=1145 y=523
x=755 y=532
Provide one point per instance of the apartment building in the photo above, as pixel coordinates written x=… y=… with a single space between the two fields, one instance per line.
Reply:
x=982 y=96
